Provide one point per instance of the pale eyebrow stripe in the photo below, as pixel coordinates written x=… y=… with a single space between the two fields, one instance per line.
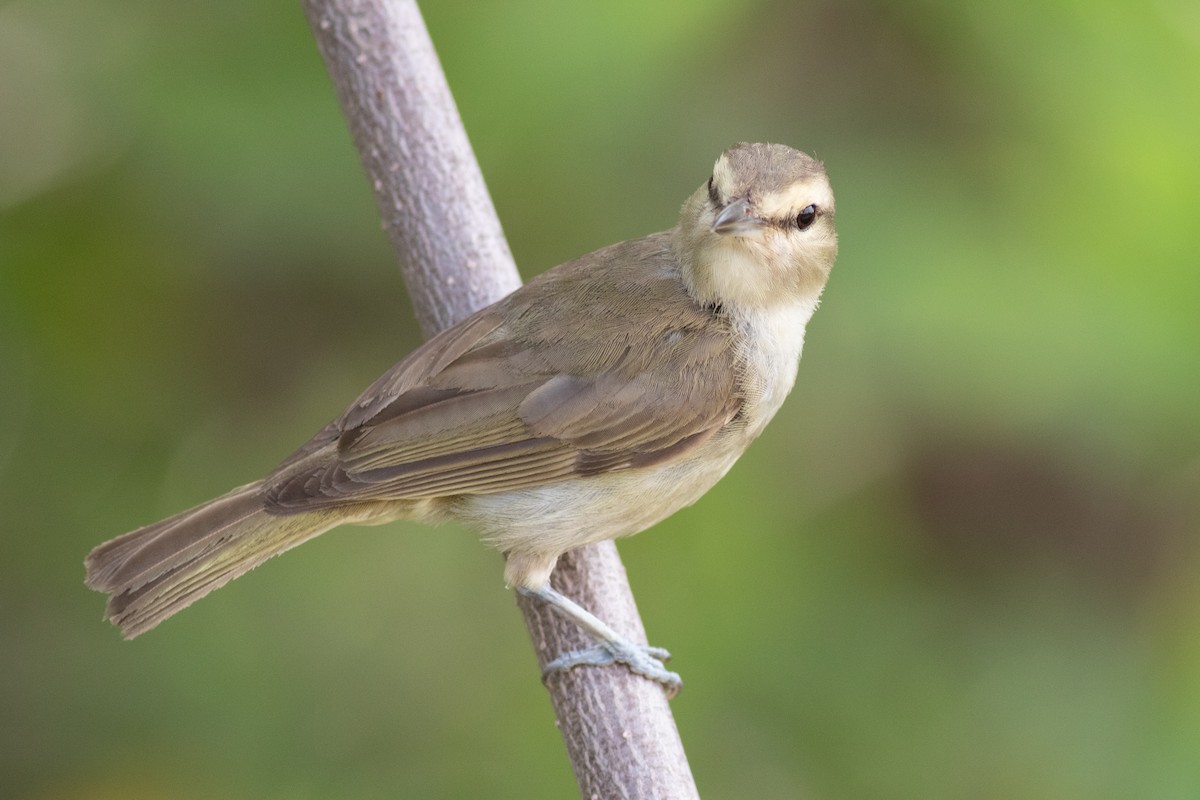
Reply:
x=788 y=202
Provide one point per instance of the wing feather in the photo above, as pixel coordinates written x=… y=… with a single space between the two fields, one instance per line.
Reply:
x=523 y=393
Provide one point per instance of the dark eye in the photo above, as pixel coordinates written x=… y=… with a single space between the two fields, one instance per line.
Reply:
x=806 y=216
x=712 y=191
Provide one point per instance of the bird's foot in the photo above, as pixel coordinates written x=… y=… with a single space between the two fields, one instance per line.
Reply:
x=613 y=648
x=641 y=660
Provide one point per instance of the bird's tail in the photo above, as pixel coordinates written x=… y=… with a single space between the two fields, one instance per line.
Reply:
x=156 y=571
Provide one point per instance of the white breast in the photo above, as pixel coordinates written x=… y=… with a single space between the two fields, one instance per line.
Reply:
x=771 y=349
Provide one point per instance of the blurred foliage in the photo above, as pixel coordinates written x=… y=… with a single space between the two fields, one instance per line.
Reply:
x=962 y=563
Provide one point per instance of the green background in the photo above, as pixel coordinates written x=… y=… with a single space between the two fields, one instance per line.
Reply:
x=961 y=563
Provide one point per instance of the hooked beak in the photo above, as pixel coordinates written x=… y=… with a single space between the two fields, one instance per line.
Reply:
x=735 y=219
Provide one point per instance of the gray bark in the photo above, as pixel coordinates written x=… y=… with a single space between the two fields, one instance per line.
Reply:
x=618 y=728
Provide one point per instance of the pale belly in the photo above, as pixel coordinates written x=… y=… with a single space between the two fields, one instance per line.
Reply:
x=535 y=526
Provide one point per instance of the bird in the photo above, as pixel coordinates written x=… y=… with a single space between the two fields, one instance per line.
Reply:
x=589 y=404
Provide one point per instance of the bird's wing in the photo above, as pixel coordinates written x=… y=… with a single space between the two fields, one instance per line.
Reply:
x=554 y=382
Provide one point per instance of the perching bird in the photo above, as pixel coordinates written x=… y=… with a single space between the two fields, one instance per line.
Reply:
x=589 y=404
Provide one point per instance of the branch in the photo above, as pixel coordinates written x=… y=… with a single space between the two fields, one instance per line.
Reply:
x=619 y=732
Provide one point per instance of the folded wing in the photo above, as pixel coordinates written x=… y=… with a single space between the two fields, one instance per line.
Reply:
x=564 y=379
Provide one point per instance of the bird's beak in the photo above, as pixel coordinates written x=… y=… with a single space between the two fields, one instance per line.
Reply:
x=735 y=219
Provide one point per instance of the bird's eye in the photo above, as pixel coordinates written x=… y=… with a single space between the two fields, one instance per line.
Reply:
x=806 y=216
x=712 y=191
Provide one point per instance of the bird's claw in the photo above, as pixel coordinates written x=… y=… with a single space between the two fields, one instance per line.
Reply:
x=642 y=660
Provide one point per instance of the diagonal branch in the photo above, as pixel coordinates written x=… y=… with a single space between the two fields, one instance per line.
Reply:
x=619 y=732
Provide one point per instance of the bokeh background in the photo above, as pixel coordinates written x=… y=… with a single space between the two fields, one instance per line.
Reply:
x=962 y=563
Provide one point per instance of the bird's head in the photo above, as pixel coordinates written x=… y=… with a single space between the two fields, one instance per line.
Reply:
x=760 y=232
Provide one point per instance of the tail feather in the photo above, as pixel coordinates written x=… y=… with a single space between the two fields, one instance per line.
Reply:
x=156 y=571
x=135 y=558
